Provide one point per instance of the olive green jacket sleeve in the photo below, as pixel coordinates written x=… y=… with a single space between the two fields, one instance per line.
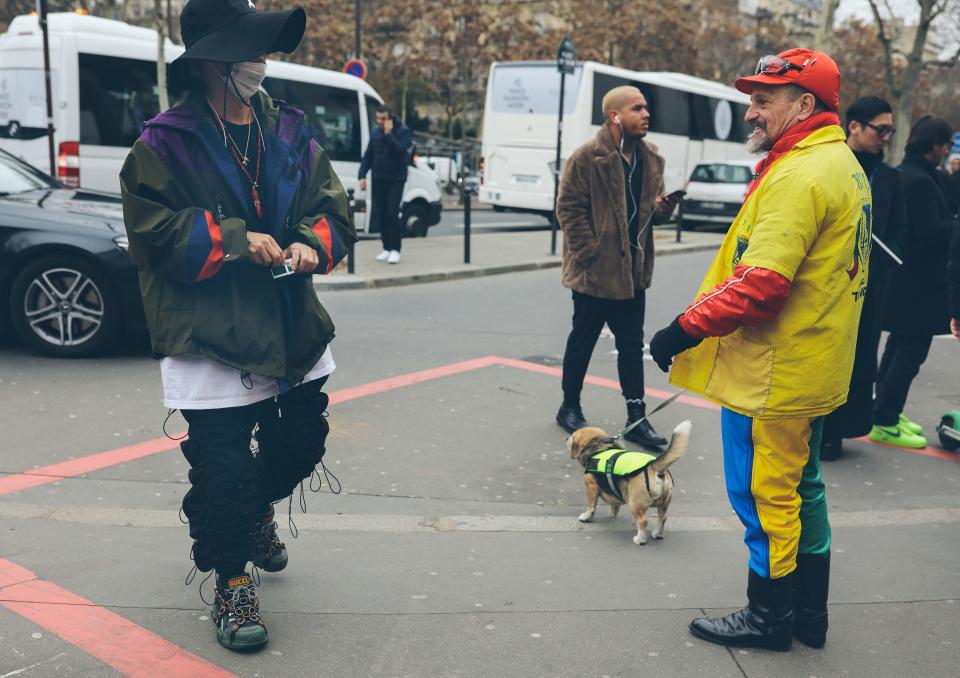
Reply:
x=183 y=245
x=327 y=224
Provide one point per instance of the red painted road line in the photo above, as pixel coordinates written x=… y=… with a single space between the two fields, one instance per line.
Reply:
x=76 y=467
x=130 y=649
x=392 y=383
x=924 y=452
x=606 y=383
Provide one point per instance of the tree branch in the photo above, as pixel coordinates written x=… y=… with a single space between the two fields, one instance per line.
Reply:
x=888 y=51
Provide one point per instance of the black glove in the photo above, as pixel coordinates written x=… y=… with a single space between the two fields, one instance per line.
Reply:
x=670 y=341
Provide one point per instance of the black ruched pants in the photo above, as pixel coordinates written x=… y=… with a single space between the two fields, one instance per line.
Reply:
x=231 y=486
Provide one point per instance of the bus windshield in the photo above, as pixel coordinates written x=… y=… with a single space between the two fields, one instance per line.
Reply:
x=533 y=89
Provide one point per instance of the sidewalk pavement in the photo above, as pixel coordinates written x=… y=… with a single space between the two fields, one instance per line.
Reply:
x=434 y=259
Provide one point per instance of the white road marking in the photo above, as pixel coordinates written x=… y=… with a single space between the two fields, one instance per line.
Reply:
x=123 y=517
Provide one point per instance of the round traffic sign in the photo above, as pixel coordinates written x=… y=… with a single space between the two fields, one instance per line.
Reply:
x=356 y=68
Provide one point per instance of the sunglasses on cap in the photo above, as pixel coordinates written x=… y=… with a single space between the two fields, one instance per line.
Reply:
x=882 y=130
x=775 y=65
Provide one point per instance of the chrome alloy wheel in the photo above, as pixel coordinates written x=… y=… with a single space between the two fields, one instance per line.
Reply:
x=63 y=306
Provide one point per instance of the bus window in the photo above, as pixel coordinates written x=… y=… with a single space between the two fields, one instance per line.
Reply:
x=372 y=106
x=669 y=108
x=715 y=119
x=533 y=88
x=332 y=113
x=116 y=97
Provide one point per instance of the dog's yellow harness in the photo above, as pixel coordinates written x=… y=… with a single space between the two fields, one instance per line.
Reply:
x=609 y=465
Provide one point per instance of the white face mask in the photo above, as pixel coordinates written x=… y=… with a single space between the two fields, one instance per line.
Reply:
x=246 y=78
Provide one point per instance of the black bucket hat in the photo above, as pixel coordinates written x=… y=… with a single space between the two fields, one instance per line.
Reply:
x=232 y=31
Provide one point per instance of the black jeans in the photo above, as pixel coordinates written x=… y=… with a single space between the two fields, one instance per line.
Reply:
x=625 y=319
x=902 y=357
x=231 y=487
x=385 y=212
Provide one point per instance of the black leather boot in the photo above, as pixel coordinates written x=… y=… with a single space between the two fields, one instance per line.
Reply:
x=830 y=450
x=765 y=622
x=811 y=586
x=571 y=418
x=643 y=434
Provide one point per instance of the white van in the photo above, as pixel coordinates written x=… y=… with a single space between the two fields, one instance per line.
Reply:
x=104 y=84
x=691 y=121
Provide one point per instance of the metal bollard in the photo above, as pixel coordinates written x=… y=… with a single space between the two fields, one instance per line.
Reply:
x=351 y=206
x=466 y=225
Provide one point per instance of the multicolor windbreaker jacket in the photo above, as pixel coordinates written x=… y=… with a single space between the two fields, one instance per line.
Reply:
x=187 y=210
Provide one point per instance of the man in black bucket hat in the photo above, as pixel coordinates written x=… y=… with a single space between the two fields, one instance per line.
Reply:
x=230 y=206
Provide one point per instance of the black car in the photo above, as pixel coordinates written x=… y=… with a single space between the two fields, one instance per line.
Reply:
x=68 y=287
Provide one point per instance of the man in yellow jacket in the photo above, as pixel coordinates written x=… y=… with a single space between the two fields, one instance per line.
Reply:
x=771 y=336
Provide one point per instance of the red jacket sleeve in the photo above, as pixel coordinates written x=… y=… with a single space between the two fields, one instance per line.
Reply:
x=751 y=296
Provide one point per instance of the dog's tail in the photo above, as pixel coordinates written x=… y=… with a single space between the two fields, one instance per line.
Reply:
x=677 y=448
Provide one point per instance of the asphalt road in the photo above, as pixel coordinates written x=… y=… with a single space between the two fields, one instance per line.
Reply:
x=454 y=548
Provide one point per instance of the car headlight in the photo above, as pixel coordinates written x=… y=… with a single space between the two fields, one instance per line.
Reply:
x=122 y=242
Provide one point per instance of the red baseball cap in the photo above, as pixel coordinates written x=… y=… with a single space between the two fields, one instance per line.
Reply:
x=814 y=71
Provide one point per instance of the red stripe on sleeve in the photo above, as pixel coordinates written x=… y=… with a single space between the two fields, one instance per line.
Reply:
x=751 y=296
x=215 y=259
x=322 y=230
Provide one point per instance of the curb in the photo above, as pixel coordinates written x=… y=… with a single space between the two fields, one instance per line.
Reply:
x=360 y=283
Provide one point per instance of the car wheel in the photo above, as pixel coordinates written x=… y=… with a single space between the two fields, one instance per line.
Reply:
x=415 y=222
x=64 y=306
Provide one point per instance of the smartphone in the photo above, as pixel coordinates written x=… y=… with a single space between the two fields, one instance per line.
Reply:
x=677 y=195
x=283 y=271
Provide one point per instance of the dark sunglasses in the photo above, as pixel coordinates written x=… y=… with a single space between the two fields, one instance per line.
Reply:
x=775 y=65
x=882 y=130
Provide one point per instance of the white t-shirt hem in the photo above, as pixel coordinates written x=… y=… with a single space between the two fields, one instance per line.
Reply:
x=193 y=382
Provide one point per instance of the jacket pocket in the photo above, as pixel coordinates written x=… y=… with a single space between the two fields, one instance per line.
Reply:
x=742 y=374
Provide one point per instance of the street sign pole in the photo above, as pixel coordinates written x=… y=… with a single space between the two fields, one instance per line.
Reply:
x=566 y=63
x=556 y=171
x=42 y=14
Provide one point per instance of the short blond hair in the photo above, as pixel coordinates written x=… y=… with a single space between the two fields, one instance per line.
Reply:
x=616 y=98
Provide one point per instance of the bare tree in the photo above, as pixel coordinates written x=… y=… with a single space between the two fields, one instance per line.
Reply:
x=903 y=71
x=824 y=38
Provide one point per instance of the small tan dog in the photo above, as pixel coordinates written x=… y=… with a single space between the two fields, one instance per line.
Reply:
x=640 y=490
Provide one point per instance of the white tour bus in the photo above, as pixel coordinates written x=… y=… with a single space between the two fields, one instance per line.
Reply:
x=691 y=121
x=104 y=84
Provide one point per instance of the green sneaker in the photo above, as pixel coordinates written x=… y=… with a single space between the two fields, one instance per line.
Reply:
x=910 y=427
x=894 y=435
x=236 y=614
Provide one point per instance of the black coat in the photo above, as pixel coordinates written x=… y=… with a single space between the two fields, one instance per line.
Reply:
x=855 y=417
x=953 y=273
x=914 y=302
x=387 y=155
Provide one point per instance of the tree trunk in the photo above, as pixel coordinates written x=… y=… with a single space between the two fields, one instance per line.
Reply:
x=902 y=118
x=403 y=105
x=161 y=25
x=824 y=40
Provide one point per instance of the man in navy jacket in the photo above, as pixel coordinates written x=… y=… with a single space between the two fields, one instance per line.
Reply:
x=387 y=156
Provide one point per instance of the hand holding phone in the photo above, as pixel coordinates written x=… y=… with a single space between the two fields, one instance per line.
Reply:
x=284 y=270
x=677 y=195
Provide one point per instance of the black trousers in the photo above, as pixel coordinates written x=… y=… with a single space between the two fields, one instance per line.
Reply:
x=385 y=212
x=625 y=319
x=233 y=482
x=902 y=357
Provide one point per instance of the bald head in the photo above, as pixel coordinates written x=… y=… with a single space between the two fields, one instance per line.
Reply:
x=625 y=111
x=618 y=98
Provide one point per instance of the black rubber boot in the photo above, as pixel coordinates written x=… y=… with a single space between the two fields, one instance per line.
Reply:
x=571 y=418
x=766 y=621
x=643 y=434
x=236 y=613
x=271 y=553
x=830 y=450
x=811 y=587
